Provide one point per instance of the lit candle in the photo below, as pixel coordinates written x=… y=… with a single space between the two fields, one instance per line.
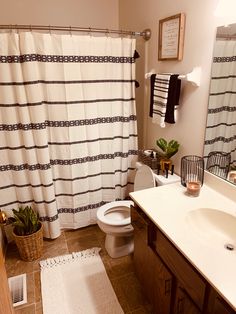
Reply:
x=232 y=177
x=193 y=188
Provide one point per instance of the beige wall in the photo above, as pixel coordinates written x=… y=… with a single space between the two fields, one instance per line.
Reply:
x=138 y=15
x=198 y=47
x=85 y=13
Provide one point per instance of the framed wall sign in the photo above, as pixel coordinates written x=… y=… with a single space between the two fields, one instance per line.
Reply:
x=171 y=37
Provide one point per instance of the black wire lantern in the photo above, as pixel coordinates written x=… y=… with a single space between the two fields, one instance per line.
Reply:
x=218 y=163
x=192 y=169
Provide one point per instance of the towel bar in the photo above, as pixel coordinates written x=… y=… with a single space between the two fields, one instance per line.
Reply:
x=193 y=77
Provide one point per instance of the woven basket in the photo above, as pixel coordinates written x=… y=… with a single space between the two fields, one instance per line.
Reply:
x=149 y=161
x=31 y=246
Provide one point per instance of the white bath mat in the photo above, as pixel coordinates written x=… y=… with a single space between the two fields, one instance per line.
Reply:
x=77 y=283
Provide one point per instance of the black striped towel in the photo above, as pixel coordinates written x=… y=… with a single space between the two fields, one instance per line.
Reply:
x=165 y=92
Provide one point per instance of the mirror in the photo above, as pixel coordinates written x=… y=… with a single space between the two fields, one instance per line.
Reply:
x=220 y=135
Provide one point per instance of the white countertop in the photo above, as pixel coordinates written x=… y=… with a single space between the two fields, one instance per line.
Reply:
x=168 y=207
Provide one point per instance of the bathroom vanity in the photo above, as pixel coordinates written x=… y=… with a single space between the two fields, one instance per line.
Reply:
x=179 y=249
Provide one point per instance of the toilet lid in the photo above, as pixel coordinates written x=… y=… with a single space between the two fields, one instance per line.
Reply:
x=144 y=178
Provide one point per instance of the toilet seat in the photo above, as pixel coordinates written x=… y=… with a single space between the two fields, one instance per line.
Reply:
x=117 y=213
x=103 y=213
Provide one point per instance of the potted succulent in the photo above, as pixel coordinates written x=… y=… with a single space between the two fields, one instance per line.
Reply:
x=27 y=232
x=169 y=149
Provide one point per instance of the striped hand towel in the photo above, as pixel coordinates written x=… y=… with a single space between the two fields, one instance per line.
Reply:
x=165 y=93
x=159 y=97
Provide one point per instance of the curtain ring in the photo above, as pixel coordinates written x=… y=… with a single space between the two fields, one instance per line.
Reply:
x=17 y=30
x=107 y=32
x=70 y=32
x=31 y=28
x=90 y=31
x=50 y=31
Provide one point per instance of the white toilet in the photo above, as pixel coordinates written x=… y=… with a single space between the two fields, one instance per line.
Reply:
x=114 y=218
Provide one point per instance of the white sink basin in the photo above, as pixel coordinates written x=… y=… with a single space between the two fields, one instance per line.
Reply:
x=215 y=226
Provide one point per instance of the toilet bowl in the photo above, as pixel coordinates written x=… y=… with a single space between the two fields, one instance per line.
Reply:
x=114 y=218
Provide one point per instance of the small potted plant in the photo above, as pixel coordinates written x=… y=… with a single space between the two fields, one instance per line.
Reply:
x=169 y=149
x=28 y=233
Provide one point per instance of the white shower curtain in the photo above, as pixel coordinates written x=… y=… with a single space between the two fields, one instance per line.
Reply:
x=68 y=137
x=221 y=120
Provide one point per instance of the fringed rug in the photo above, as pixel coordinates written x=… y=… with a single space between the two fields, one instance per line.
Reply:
x=77 y=283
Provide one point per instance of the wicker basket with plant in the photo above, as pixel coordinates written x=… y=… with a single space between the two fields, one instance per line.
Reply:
x=28 y=233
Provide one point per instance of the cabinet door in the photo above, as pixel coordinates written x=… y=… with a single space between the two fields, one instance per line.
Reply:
x=162 y=287
x=191 y=281
x=143 y=255
x=183 y=304
x=156 y=280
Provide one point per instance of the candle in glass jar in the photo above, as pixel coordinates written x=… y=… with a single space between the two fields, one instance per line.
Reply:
x=193 y=188
x=232 y=177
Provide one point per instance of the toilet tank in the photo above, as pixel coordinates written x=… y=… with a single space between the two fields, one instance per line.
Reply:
x=162 y=180
x=144 y=178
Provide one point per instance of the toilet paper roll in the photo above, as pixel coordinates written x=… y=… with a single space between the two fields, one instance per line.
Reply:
x=147 y=152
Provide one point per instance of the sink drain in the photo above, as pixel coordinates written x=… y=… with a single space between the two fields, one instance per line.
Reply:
x=229 y=246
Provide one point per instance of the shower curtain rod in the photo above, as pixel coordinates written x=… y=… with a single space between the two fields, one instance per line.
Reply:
x=146 y=34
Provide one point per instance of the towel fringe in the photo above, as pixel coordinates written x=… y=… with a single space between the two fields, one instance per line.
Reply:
x=68 y=258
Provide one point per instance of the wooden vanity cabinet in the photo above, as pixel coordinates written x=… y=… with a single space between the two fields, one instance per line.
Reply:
x=155 y=278
x=217 y=305
x=143 y=255
x=170 y=282
x=190 y=288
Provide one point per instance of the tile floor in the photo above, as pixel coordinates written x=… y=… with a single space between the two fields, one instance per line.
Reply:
x=120 y=270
